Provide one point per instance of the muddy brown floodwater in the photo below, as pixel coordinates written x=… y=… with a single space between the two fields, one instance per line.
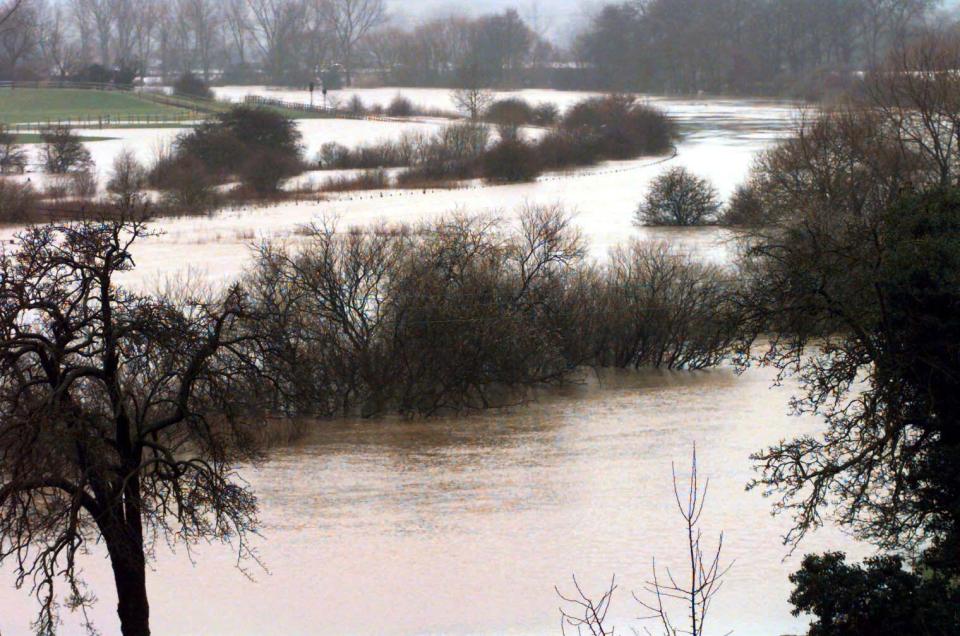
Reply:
x=463 y=526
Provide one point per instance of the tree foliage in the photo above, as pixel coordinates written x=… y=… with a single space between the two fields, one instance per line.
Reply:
x=679 y=197
x=878 y=598
x=123 y=416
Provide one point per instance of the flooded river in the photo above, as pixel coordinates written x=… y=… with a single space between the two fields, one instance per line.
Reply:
x=463 y=526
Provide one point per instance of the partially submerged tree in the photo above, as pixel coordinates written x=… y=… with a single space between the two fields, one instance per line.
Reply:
x=123 y=417
x=471 y=97
x=127 y=180
x=189 y=85
x=679 y=197
x=13 y=158
x=861 y=304
x=63 y=151
x=259 y=145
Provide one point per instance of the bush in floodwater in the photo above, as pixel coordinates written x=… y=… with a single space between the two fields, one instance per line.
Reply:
x=458 y=314
x=356 y=106
x=63 y=151
x=186 y=186
x=189 y=85
x=260 y=146
x=679 y=197
x=512 y=111
x=18 y=201
x=127 y=180
x=745 y=208
x=400 y=106
x=560 y=149
x=453 y=314
x=333 y=155
x=366 y=180
x=545 y=114
x=618 y=127
x=13 y=157
x=654 y=307
x=511 y=160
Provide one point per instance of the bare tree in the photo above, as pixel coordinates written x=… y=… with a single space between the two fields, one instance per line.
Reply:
x=705 y=571
x=472 y=98
x=350 y=21
x=123 y=417
x=99 y=14
x=588 y=616
x=236 y=17
x=19 y=38
x=885 y=23
x=125 y=15
x=61 y=54
x=146 y=26
x=917 y=95
x=202 y=20
x=276 y=29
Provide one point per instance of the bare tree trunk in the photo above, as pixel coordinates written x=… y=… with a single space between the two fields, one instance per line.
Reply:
x=123 y=535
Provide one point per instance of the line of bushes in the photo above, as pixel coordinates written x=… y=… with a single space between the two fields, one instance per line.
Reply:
x=459 y=314
x=258 y=147
x=596 y=129
x=399 y=106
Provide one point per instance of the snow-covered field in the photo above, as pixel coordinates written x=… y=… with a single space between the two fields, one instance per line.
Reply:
x=721 y=138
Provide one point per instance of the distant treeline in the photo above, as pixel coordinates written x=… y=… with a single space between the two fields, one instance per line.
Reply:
x=665 y=46
x=800 y=47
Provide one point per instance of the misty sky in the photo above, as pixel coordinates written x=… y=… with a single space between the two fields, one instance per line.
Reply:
x=557 y=16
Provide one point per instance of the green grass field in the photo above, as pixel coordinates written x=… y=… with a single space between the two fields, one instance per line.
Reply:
x=39 y=105
x=20 y=105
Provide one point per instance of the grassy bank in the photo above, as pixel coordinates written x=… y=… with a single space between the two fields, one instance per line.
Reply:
x=109 y=108
x=19 y=105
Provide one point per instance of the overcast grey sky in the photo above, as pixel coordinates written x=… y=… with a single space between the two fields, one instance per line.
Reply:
x=558 y=17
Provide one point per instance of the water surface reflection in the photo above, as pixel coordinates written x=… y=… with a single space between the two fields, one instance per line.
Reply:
x=463 y=525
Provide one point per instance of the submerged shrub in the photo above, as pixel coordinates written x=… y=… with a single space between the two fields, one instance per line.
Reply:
x=679 y=197
x=510 y=160
x=186 y=186
x=658 y=308
x=13 y=157
x=545 y=114
x=366 y=180
x=333 y=155
x=127 y=180
x=563 y=149
x=459 y=314
x=18 y=201
x=400 y=106
x=83 y=184
x=189 y=85
x=63 y=151
x=620 y=128
x=258 y=145
x=745 y=208
x=356 y=106
x=512 y=111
